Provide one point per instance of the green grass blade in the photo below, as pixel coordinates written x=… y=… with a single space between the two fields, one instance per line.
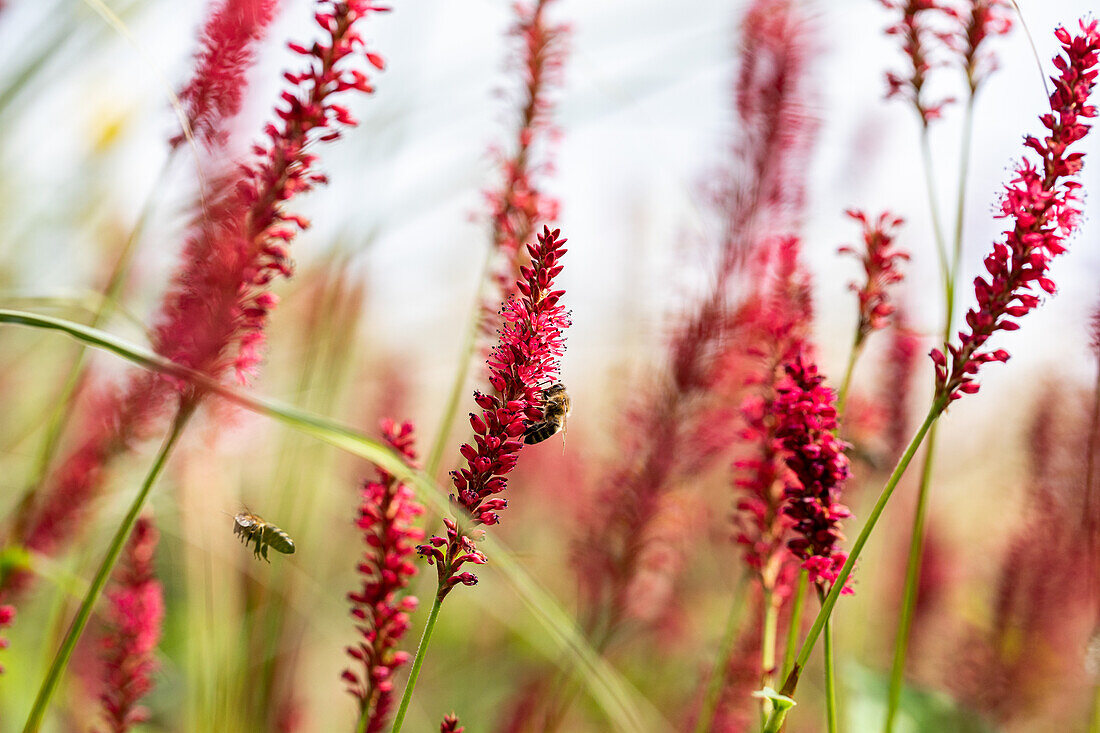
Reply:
x=625 y=707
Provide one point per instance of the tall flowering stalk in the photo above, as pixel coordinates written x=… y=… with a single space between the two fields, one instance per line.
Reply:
x=519 y=203
x=901 y=361
x=880 y=261
x=807 y=422
x=133 y=630
x=213 y=316
x=1042 y=207
x=965 y=43
x=679 y=425
x=386 y=517
x=210 y=98
x=226 y=50
x=526 y=360
x=777 y=319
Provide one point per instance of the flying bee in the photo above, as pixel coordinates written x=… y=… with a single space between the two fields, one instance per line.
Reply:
x=555 y=409
x=251 y=528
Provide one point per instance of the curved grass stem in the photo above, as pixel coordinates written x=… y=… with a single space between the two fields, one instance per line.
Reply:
x=68 y=644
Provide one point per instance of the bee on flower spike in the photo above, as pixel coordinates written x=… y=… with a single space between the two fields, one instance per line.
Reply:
x=555 y=409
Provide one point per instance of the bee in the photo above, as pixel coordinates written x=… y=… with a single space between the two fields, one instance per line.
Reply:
x=555 y=409
x=251 y=528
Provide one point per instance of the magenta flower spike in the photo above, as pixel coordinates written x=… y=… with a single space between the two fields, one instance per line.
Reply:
x=134 y=623
x=805 y=411
x=525 y=361
x=1042 y=203
x=386 y=515
x=880 y=262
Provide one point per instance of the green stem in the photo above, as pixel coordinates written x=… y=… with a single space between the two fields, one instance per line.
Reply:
x=775 y=720
x=830 y=676
x=795 y=624
x=721 y=665
x=414 y=672
x=912 y=578
x=916 y=537
x=934 y=208
x=469 y=343
x=767 y=644
x=853 y=357
x=61 y=660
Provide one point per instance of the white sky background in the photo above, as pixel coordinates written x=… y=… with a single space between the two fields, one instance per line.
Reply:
x=645 y=116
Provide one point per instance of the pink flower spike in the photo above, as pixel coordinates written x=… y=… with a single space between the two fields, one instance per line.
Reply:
x=1043 y=206
x=524 y=362
x=133 y=629
x=213 y=95
x=880 y=266
x=450 y=724
x=914 y=31
x=386 y=515
x=806 y=415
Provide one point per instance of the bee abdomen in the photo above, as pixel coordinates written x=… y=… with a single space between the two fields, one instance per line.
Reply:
x=540 y=432
x=278 y=540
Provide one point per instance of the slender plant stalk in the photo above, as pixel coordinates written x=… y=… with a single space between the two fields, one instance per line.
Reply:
x=934 y=210
x=853 y=357
x=795 y=624
x=61 y=660
x=830 y=676
x=469 y=343
x=912 y=578
x=414 y=671
x=916 y=537
x=721 y=662
x=768 y=641
x=775 y=720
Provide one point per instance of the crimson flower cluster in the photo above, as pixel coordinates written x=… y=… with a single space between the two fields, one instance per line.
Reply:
x=880 y=264
x=134 y=617
x=915 y=32
x=525 y=360
x=220 y=300
x=1042 y=202
x=519 y=204
x=777 y=326
x=984 y=18
x=450 y=724
x=214 y=93
x=806 y=413
x=386 y=515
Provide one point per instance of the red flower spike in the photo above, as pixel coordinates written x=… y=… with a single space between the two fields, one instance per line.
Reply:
x=914 y=31
x=213 y=317
x=386 y=516
x=525 y=361
x=806 y=415
x=134 y=619
x=880 y=265
x=1044 y=209
x=777 y=322
x=213 y=96
x=980 y=20
x=519 y=204
x=450 y=724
